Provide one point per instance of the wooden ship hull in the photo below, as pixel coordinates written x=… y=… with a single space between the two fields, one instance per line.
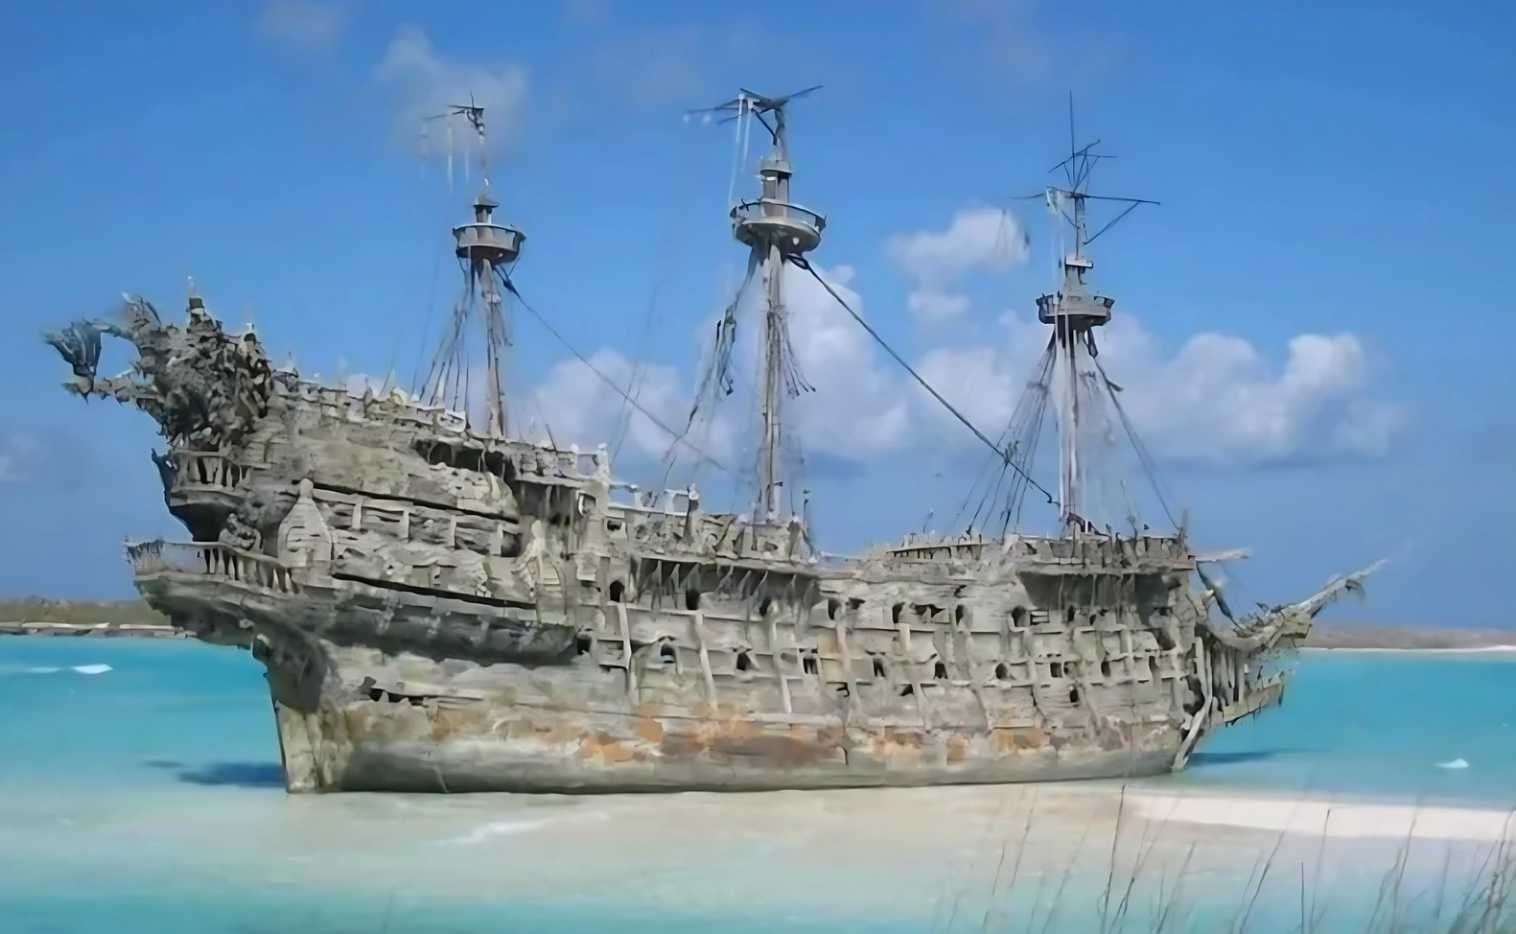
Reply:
x=444 y=611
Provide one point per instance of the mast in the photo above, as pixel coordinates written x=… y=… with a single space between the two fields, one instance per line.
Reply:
x=485 y=249
x=1075 y=312
x=774 y=229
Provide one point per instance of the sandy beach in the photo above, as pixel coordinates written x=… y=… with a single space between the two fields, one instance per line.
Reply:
x=1335 y=819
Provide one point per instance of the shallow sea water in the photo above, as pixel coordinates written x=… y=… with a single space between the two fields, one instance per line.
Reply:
x=141 y=792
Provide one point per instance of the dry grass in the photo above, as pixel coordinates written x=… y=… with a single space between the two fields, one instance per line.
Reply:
x=1295 y=883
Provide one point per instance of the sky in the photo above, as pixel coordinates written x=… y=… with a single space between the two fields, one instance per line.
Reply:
x=1310 y=329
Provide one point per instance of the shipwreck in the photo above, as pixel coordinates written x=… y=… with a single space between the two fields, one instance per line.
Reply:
x=442 y=606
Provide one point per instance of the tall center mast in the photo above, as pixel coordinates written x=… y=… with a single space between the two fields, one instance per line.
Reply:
x=775 y=229
x=1075 y=311
x=485 y=249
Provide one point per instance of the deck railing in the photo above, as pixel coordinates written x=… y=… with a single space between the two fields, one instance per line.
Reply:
x=207 y=469
x=769 y=209
x=213 y=560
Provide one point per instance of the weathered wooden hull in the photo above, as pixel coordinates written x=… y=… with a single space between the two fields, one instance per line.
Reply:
x=396 y=743
x=441 y=610
x=530 y=752
x=417 y=694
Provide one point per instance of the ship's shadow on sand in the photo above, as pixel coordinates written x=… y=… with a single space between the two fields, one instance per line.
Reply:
x=1241 y=757
x=271 y=775
x=240 y=774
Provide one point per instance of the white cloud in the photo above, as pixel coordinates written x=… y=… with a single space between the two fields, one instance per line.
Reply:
x=977 y=239
x=305 y=24
x=976 y=380
x=573 y=405
x=426 y=83
x=858 y=410
x=1217 y=400
x=932 y=305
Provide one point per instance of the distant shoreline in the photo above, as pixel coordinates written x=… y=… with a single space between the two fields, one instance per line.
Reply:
x=92 y=630
x=1339 y=636
x=114 y=630
x=35 y=616
x=1420 y=650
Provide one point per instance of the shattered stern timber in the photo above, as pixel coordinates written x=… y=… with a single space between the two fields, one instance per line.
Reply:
x=442 y=608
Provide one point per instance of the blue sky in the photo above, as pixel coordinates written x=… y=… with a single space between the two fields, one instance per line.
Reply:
x=1313 y=325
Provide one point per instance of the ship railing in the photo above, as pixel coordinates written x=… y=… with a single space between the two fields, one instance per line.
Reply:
x=342 y=402
x=571 y=461
x=770 y=209
x=1099 y=551
x=208 y=469
x=1040 y=549
x=591 y=463
x=212 y=560
x=438 y=417
x=665 y=503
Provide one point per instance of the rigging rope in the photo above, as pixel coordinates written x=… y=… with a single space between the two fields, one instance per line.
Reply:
x=1003 y=455
x=1020 y=439
x=426 y=326
x=1149 y=466
x=716 y=380
x=1025 y=429
x=1151 y=469
x=679 y=197
x=510 y=287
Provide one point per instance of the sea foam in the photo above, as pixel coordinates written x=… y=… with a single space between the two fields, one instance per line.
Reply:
x=1454 y=764
x=499 y=828
x=91 y=669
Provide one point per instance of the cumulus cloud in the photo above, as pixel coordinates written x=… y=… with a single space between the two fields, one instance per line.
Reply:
x=304 y=24
x=425 y=82
x=573 y=405
x=1217 y=400
x=977 y=239
x=858 y=410
x=980 y=382
x=932 y=305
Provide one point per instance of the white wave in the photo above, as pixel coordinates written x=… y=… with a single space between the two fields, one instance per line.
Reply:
x=499 y=828
x=41 y=670
x=1454 y=764
x=92 y=669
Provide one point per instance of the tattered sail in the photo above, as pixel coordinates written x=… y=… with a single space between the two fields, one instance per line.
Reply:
x=776 y=230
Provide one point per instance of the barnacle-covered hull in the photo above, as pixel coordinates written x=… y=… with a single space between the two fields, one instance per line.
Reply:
x=446 y=611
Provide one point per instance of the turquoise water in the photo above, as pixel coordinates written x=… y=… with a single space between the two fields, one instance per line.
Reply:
x=147 y=797
x=1378 y=724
